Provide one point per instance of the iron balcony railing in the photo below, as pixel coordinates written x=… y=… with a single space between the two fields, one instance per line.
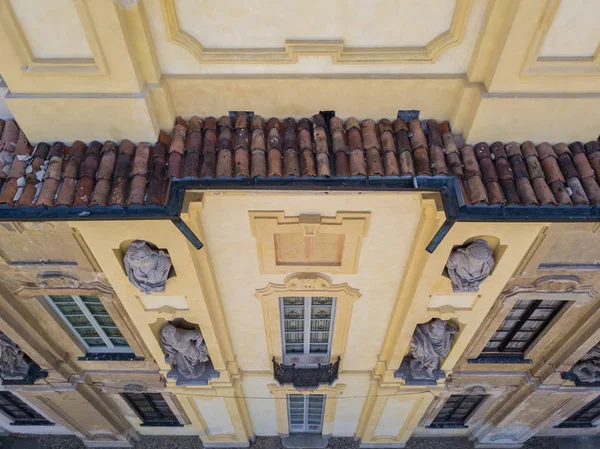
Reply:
x=306 y=377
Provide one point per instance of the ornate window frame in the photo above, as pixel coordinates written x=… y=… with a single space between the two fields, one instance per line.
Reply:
x=307 y=284
x=280 y=393
x=47 y=283
x=493 y=395
x=553 y=287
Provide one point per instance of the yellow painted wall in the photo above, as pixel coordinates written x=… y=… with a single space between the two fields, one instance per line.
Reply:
x=384 y=252
x=497 y=70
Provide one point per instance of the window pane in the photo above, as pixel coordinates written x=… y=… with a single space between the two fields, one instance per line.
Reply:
x=95 y=342
x=69 y=309
x=78 y=320
x=586 y=415
x=456 y=410
x=526 y=320
x=119 y=342
x=152 y=408
x=89 y=320
x=105 y=321
x=61 y=298
x=19 y=411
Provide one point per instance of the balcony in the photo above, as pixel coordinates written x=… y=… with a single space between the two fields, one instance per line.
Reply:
x=306 y=377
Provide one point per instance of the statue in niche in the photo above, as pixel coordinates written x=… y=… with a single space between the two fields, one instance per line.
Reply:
x=588 y=368
x=430 y=344
x=13 y=365
x=470 y=266
x=147 y=268
x=186 y=351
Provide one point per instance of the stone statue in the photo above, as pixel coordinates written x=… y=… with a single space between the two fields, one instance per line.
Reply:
x=468 y=267
x=430 y=343
x=588 y=368
x=12 y=363
x=147 y=268
x=186 y=351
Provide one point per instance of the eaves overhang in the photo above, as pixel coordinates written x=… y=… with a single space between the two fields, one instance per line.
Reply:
x=455 y=207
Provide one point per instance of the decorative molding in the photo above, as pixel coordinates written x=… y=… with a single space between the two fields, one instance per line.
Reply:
x=340 y=54
x=280 y=393
x=565 y=287
x=303 y=284
x=306 y=283
x=206 y=435
x=30 y=65
x=535 y=64
x=67 y=420
x=54 y=282
x=335 y=390
x=308 y=242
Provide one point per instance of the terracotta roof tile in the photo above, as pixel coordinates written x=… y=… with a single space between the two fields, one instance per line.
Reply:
x=193 y=148
x=291 y=163
x=139 y=173
x=157 y=184
x=274 y=147
x=372 y=148
x=241 y=145
x=358 y=166
x=127 y=173
x=209 y=161
x=339 y=146
x=258 y=148
x=390 y=157
x=305 y=146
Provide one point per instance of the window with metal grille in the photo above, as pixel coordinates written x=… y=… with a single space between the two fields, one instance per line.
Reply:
x=89 y=321
x=307 y=329
x=585 y=416
x=526 y=320
x=456 y=411
x=152 y=409
x=19 y=412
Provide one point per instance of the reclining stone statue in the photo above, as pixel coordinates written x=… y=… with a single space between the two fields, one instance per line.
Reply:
x=147 y=268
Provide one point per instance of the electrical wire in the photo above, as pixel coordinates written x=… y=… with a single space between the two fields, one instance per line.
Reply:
x=270 y=398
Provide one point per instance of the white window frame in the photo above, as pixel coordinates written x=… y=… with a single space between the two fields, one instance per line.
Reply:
x=306 y=424
x=306 y=354
x=109 y=348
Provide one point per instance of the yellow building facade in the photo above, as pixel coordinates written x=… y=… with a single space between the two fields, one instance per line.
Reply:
x=367 y=249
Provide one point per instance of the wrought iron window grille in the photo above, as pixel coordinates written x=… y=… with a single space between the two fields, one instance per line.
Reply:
x=306 y=377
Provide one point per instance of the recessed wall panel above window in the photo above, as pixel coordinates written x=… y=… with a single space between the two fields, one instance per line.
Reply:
x=309 y=242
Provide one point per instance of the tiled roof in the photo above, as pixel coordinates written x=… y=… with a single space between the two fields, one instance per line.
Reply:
x=126 y=174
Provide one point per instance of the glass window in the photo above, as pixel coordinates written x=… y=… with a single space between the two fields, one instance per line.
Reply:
x=90 y=322
x=456 y=410
x=152 y=409
x=19 y=412
x=585 y=416
x=306 y=413
x=307 y=327
x=522 y=325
